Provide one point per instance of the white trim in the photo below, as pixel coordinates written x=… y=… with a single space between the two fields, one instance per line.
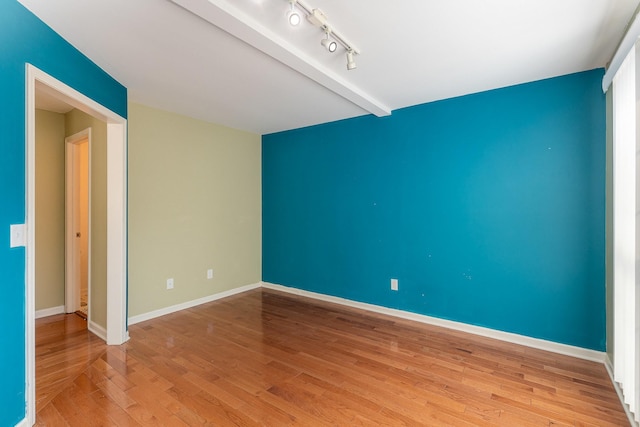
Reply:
x=78 y=137
x=116 y=216
x=97 y=330
x=568 y=350
x=117 y=233
x=30 y=273
x=23 y=423
x=72 y=263
x=51 y=311
x=626 y=44
x=185 y=305
x=609 y=367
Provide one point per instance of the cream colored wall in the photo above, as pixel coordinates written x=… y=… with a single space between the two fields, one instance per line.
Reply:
x=76 y=121
x=194 y=204
x=49 y=267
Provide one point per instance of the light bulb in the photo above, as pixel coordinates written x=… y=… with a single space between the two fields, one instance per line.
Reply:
x=294 y=18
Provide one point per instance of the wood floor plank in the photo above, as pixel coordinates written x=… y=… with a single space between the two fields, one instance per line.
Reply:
x=265 y=358
x=116 y=415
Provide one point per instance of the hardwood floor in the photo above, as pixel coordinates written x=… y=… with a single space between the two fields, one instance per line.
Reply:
x=64 y=348
x=267 y=358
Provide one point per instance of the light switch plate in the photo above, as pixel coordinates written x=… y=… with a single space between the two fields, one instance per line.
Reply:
x=18 y=236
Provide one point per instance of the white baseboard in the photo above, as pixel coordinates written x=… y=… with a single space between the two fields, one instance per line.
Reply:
x=568 y=350
x=172 y=309
x=609 y=366
x=97 y=330
x=45 y=312
x=23 y=423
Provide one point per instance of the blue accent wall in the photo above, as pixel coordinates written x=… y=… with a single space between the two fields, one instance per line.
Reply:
x=25 y=39
x=488 y=209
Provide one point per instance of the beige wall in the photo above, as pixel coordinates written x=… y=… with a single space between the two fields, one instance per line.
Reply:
x=76 y=121
x=194 y=204
x=50 y=224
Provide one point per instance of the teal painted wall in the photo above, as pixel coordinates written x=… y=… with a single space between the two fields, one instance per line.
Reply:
x=25 y=39
x=488 y=208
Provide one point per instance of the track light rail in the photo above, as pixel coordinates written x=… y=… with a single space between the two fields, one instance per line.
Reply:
x=317 y=18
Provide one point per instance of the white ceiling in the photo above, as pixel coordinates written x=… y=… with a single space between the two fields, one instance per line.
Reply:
x=269 y=76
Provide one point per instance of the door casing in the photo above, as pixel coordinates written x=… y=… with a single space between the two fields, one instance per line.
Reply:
x=116 y=329
x=73 y=219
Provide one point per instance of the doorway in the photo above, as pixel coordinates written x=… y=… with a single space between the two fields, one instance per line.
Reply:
x=78 y=219
x=115 y=332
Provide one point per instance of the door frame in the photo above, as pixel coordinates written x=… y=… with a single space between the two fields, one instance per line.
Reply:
x=116 y=331
x=72 y=261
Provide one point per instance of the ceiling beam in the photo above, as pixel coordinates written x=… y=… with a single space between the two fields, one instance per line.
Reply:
x=242 y=26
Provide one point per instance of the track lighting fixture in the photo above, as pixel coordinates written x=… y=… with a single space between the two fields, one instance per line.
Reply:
x=331 y=45
x=351 y=64
x=292 y=16
x=318 y=19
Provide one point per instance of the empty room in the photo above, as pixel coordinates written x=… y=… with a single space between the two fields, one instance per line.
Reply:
x=320 y=213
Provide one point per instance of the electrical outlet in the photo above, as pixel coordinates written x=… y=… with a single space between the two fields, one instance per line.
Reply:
x=394 y=284
x=210 y=273
x=169 y=283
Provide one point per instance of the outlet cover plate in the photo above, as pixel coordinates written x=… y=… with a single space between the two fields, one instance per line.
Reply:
x=18 y=236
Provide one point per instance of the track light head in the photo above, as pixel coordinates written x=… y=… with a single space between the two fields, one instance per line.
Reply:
x=293 y=16
x=351 y=64
x=331 y=45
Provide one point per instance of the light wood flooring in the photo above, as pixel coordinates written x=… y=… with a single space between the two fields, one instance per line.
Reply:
x=267 y=358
